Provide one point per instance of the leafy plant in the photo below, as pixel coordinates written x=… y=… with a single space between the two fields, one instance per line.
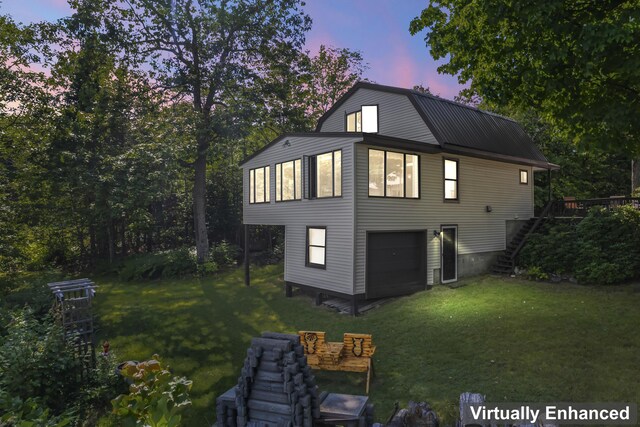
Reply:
x=552 y=249
x=536 y=273
x=224 y=254
x=156 y=397
x=172 y=263
x=36 y=361
x=30 y=413
x=601 y=249
x=608 y=251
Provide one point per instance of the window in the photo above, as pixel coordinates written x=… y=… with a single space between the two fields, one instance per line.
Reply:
x=259 y=185
x=316 y=247
x=289 y=180
x=363 y=120
x=393 y=174
x=354 y=122
x=524 y=176
x=325 y=175
x=450 y=179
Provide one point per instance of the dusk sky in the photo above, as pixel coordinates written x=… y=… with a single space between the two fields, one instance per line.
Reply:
x=377 y=28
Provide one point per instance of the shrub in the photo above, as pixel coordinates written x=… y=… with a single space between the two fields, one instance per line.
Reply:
x=608 y=248
x=168 y=264
x=601 y=249
x=552 y=249
x=36 y=361
x=224 y=254
x=156 y=397
x=536 y=273
x=15 y=411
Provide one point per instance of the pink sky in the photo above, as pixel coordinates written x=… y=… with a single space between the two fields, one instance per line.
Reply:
x=377 y=28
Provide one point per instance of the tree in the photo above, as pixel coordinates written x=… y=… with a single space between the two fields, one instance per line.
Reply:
x=302 y=91
x=576 y=62
x=213 y=53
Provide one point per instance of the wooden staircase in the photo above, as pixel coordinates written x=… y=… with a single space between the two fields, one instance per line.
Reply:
x=505 y=263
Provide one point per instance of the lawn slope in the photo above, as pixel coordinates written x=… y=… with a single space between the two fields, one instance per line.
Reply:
x=508 y=339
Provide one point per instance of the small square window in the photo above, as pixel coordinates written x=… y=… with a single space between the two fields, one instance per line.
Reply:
x=524 y=176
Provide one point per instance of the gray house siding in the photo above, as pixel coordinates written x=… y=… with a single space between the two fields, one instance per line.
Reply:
x=337 y=214
x=397 y=115
x=480 y=234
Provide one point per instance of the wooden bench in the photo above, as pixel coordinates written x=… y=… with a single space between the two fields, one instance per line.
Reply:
x=353 y=354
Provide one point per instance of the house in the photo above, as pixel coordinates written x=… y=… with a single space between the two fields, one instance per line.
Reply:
x=395 y=191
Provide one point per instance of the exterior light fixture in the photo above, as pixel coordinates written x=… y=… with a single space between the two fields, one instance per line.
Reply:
x=286 y=143
x=436 y=233
x=489 y=208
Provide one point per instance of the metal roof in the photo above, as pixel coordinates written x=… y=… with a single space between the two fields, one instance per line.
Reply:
x=462 y=128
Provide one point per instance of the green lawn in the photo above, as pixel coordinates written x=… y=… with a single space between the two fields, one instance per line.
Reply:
x=511 y=340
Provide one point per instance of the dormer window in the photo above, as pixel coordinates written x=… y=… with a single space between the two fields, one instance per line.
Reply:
x=363 y=120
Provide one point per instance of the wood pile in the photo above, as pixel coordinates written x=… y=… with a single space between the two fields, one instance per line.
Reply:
x=275 y=388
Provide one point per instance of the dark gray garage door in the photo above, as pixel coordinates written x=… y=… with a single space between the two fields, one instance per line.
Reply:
x=395 y=263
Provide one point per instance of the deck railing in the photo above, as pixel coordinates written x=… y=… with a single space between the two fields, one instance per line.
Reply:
x=580 y=208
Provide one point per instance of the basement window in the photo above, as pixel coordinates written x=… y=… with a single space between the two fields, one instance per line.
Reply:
x=259 y=185
x=363 y=120
x=524 y=176
x=316 y=247
x=393 y=174
x=289 y=181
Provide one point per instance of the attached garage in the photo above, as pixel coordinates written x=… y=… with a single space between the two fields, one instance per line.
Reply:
x=396 y=263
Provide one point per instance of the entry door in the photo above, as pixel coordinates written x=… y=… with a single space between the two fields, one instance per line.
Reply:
x=449 y=251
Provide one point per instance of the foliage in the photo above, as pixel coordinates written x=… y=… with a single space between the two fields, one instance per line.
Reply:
x=18 y=412
x=608 y=250
x=214 y=55
x=224 y=254
x=37 y=362
x=576 y=63
x=156 y=397
x=584 y=174
x=536 y=273
x=552 y=249
x=600 y=249
x=166 y=264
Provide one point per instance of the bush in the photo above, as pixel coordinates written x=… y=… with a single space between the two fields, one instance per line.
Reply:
x=36 y=361
x=536 y=273
x=608 y=246
x=167 y=264
x=30 y=412
x=224 y=254
x=601 y=249
x=552 y=249
x=156 y=397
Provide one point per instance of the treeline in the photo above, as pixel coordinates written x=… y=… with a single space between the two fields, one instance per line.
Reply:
x=122 y=127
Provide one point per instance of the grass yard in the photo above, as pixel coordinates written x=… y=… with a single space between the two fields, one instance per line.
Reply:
x=508 y=339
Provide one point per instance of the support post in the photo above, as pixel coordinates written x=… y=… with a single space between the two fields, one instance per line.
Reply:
x=319 y=298
x=354 y=305
x=288 y=290
x=549 y=179
x=247 y=275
